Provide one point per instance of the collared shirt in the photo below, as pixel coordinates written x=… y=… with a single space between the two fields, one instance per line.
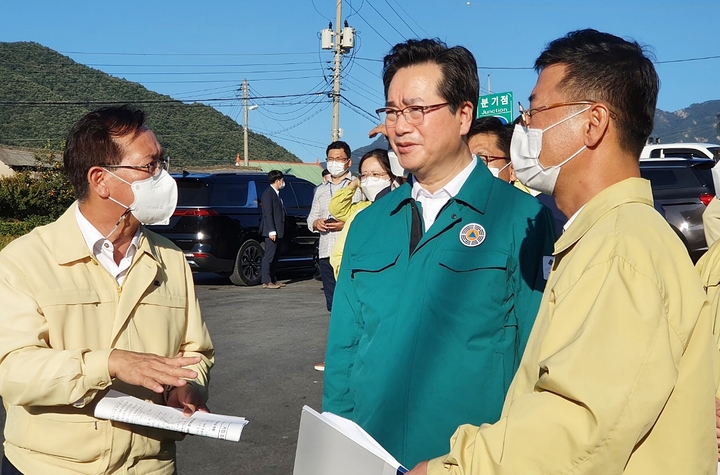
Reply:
x=319 y=210
x=274 y=233
x=103 y=249
x=566 y=226
x=432 y=203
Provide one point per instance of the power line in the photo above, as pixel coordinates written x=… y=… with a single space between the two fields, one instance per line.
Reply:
x=402 y=19
x=371 y=27
x=150 y=101
x=427 y=35
x=386 y=20
x=185 y=54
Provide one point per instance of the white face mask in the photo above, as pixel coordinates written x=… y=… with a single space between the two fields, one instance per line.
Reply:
x=371 y=186
x=395 y=166
x=496 y=171
x=336 y=169
x=155 y=198
x=282 y=185
x=525 y=157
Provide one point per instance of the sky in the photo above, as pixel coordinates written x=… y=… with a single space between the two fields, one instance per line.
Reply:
x=202 y=51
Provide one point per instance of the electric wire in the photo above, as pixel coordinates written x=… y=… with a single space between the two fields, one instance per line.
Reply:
x=402 y=19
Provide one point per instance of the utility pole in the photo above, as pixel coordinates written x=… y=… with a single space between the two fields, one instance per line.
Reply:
x=341 y=40
x=245 y=122
x=335 y=133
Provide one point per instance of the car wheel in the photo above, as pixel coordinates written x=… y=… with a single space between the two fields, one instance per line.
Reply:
x=248 y=264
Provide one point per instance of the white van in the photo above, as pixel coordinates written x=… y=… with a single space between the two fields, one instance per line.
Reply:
x=681 y=150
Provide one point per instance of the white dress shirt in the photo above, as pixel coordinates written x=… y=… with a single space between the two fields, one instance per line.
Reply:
x=432 y=203
x=102 y=249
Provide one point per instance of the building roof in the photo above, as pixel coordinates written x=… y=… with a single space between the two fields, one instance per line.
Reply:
x=311 y=172
x=20 y=157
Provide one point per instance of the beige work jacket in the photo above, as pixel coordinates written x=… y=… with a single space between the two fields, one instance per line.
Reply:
x=619 y=374
x=62 y=314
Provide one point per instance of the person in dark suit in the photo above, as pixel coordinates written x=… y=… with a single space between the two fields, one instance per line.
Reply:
x=272 y=228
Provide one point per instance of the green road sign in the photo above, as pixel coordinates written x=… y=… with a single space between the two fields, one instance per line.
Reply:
x=497 y=105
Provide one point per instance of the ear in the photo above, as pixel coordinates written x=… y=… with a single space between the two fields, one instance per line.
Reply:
x=598 y=125
x=465 y=112
x=513 y=177
x=97 y=179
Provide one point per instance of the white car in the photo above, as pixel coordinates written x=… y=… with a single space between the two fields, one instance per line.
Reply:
x=681 y=150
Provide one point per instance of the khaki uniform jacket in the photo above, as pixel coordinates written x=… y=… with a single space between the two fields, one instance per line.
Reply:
x=618 y=375
x=62 y=314
x=709 y=268
x=343 y=209
x=711 y=221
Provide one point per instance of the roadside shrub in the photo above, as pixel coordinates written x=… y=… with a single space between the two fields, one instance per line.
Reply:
x=45 y=192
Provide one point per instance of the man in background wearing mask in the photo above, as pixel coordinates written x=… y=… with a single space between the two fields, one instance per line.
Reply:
x=321 y=221
x=440 y=280
x=95 y=301
x=272 y=227
x=618 y=376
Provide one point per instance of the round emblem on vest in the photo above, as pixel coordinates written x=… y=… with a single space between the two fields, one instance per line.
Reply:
x=472 y=235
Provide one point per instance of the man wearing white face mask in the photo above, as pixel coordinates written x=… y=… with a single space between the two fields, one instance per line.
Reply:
x=95 y=301
x=320 y=220
x=619 y=373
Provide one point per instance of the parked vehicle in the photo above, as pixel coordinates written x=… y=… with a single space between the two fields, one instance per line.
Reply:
x=683 y=188
x=680 y=150
x=217 y=219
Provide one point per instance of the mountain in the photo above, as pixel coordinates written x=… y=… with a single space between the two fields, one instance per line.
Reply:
x=697 y=123
x=57 y=91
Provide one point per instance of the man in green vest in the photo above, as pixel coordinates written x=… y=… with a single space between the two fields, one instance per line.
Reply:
x=440 y=280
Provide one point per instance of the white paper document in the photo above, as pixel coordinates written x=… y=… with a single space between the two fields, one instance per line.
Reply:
x=120 y=407
x=330 y=445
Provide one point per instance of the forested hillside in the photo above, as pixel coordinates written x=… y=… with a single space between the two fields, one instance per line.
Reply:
x=42 y=93
x=697 y=123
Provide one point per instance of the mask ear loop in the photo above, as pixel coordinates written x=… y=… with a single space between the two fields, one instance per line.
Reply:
x=122 y=218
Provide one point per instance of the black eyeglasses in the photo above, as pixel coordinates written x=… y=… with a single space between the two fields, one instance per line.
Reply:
x=153 y=168
x=414 y=115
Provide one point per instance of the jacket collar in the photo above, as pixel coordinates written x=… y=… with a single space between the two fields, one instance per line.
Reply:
x=630 y=190
x=474 y=193
x=68 y=244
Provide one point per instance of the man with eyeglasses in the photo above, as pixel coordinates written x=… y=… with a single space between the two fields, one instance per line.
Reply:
x=94 y=301
x=440 y=280
x=619 y=374
x=321 y=221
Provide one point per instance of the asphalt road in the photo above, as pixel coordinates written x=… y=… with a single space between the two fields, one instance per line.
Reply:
x=267 y=342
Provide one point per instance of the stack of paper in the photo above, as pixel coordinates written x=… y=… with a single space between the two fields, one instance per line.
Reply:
x=330 y=445
x=120 y=407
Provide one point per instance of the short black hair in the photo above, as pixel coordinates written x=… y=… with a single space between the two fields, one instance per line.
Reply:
x=459 y=82
x=493 y=126
x=325 y=172
x=91 y=142
x=605 y=68
x=339 y=144
x=275 y=175
x=382 y=156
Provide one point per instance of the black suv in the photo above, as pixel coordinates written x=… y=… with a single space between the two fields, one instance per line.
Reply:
x=217 y=219
x=683 y=188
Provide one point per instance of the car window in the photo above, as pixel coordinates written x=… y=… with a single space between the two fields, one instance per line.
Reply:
x=715 y=151
x=655 y=153
x=288 y=197
x=304 y=193
x=192 y=193
x=660 y=178
x=229 y=194
x=683 y=153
